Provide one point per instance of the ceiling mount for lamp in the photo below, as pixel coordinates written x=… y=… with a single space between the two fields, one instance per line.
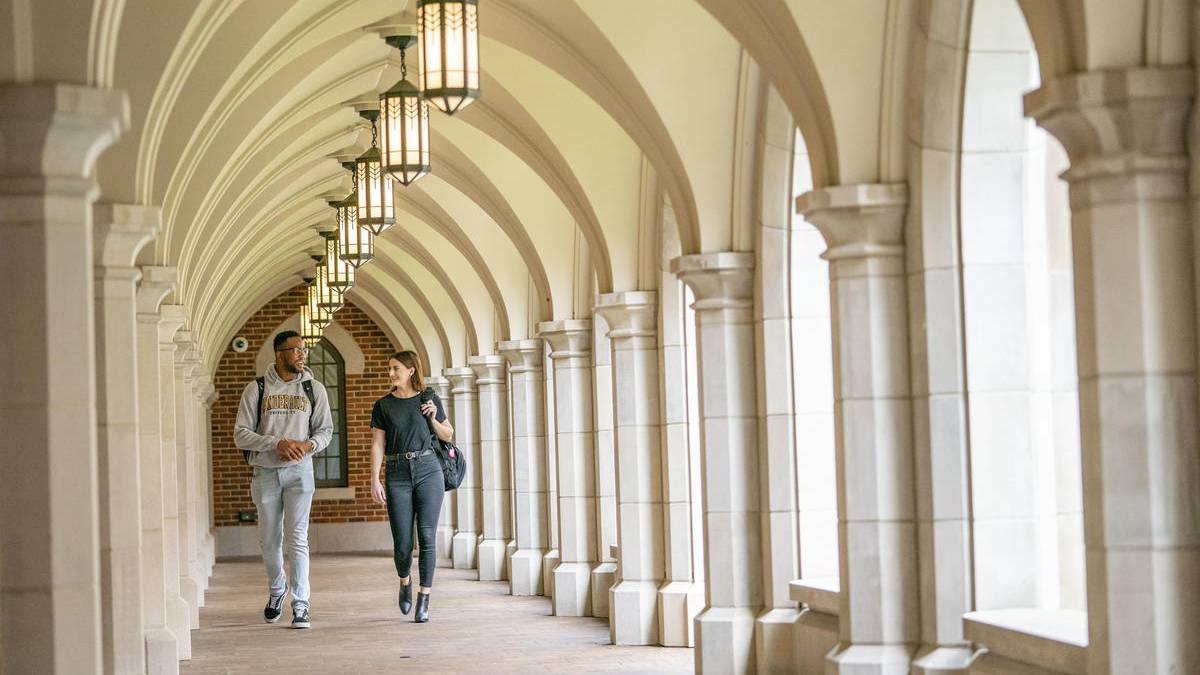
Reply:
x=448 y=46
x=375 y=208
x=404 y=123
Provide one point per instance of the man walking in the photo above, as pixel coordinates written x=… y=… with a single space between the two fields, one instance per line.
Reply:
x=282 y=421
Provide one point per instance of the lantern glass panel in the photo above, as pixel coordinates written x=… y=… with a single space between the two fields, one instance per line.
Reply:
x=329 y=300
x=404 y=133
x=357 y=243
x=341 y=273
x=375 y=208
x=448 y=41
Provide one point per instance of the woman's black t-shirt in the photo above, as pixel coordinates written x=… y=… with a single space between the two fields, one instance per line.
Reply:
x=406 y=429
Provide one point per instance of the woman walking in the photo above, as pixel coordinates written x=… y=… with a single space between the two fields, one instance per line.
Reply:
x=401 y=426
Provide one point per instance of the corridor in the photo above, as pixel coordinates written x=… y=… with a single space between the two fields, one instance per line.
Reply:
x=475 y=627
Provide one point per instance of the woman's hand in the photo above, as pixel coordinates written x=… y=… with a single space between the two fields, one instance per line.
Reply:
x=428 y=409
x=377 y=492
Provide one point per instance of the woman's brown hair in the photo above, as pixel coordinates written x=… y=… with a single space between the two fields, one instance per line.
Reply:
x=410 y=360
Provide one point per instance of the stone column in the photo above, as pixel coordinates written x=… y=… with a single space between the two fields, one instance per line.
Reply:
x=778 y=392
x=632 y=320
x=723 y=287
x=185 y=363
x=552 y=558
x=529 y=464
x=162 y=649
x=1135 y=297
x=178 y=610
x=204 y=392
x=879 y=613
x=445 y=531
x=466 y=432
x=681 y=598
x=604 y=574
x=121 y=232
x=571 y=349
x=494 y=471
x=49 y=538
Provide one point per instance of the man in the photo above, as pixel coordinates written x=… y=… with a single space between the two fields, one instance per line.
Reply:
x=282 y=421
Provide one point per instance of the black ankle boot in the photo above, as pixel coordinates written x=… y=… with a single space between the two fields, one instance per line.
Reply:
x=422 y=613
x=405 y=597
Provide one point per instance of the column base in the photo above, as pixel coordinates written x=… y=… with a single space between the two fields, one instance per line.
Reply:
x=190 y=592
x=180 y=624
x=942 y=660
x=444 y=540
x=633 y=613
x=852 y=659
x=162 y=652
x=509 y=549
x=464 y=551
x=210 y=544
x=549 y=562
x=725 y=640
x=775 y=640
x=604 y=576
x=678 y=604
x=572 y=589
x=491 y=560
x=525 y=569
x=196 y=573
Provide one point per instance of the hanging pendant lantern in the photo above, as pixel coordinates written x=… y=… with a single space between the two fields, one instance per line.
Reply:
x=404 y=124
x=329 y=300
x=375 y=207
x=310 y=332
x=340 y=273
x=448 y=38
x=319 y=295
x=356 y=244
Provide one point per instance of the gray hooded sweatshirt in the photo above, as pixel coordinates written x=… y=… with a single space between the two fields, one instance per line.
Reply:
x=285 y=415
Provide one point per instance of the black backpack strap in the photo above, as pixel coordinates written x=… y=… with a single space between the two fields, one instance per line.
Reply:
x=262 y=386
x=312 y=401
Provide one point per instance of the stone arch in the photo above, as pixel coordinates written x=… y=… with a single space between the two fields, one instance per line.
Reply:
x=342 y=341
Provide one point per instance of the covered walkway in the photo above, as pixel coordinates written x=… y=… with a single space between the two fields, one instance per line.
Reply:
x=476 y=627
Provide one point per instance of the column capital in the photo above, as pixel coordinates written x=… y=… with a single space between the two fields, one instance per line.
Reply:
x=524 y=356
x=121 y=231
x=1124 y=117
x=156 y=284
x=717 y=279
x=858 y=221
x=439 y=384
x=462 y=379
x=1125 y=132
x=171 y=319
x=489 y=369
x=569 y=337
x=629 y=313
x=56 y=130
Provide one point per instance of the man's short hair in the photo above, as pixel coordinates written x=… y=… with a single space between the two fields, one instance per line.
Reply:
x=283 y=337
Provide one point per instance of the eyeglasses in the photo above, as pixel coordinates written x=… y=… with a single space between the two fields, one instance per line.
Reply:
x=302 y=351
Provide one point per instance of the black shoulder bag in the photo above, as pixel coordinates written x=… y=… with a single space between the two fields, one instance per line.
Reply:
x=454 y=465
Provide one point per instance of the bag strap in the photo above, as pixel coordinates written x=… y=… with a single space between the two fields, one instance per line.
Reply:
x=312 y=401
x=262 y=387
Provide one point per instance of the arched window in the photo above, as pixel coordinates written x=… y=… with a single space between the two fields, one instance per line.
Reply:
x=329 y=369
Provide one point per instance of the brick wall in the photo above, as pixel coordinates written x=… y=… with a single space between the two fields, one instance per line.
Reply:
x=231 y=475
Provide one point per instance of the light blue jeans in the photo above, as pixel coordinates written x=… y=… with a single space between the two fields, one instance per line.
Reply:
x=284 y=498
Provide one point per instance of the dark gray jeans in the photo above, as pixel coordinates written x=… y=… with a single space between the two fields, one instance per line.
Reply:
x=417 y=487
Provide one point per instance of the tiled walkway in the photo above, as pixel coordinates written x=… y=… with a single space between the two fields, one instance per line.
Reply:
x=475 y=628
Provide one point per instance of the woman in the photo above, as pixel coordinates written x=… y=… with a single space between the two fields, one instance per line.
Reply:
x=400 y=427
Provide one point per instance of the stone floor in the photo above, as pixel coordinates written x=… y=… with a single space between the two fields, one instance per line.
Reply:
x=475 y=627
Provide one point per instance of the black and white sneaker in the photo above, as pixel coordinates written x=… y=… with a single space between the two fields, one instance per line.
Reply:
x=274 y=607
x=300 y=617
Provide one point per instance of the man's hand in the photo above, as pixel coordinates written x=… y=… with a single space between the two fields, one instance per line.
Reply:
x=292 y=451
